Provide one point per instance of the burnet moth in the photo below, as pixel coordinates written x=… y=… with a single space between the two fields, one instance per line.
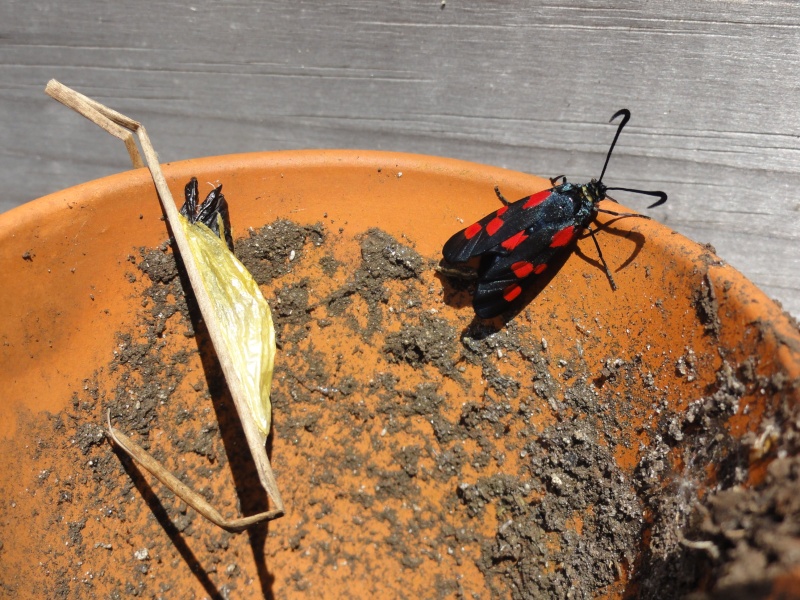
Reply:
x=519 y=240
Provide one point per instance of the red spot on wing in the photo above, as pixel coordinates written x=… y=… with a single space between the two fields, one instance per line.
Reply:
x=494 y=225
x=539 y=268
x=515 y=240
x=537 y=199
x=511 y=292
x=522 y=269
x=471 y=231
x=563 y=237
x=501 y=210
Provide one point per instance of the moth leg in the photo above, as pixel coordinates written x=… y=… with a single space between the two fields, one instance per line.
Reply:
x=500 y=195
x=553 y=180
x=603 y=260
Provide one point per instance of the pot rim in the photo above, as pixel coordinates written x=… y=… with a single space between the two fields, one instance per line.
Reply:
x=779 y=329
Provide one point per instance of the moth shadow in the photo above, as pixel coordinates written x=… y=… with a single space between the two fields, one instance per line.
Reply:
x=607 y=228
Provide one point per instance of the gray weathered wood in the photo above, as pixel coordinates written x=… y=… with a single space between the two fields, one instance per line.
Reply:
x=713 y=88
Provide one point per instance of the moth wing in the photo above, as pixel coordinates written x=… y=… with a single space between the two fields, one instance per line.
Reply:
x=503 y=277
x=495 y=228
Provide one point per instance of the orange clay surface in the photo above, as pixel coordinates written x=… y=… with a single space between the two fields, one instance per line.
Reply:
x=361 y=456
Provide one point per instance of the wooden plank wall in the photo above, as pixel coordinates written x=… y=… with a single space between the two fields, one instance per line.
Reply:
x=714 y=88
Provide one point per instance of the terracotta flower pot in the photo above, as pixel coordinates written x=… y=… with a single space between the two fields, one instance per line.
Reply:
x=640 y=441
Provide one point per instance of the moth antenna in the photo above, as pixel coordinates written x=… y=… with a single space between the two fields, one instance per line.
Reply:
x=662 y=197
x=626 y=116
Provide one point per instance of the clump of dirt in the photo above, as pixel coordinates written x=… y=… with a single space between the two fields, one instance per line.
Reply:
x=576 y=509
x=721 y=540
x=753 y=535
x=418 y=455
x=706 y=305
x=272 y=251
x=384 y=260
x=430 y=341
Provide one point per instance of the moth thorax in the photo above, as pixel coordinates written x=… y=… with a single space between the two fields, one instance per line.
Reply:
x=594 y=191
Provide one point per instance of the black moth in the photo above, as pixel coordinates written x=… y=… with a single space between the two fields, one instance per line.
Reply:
x=209 y=212
x=521 y=238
